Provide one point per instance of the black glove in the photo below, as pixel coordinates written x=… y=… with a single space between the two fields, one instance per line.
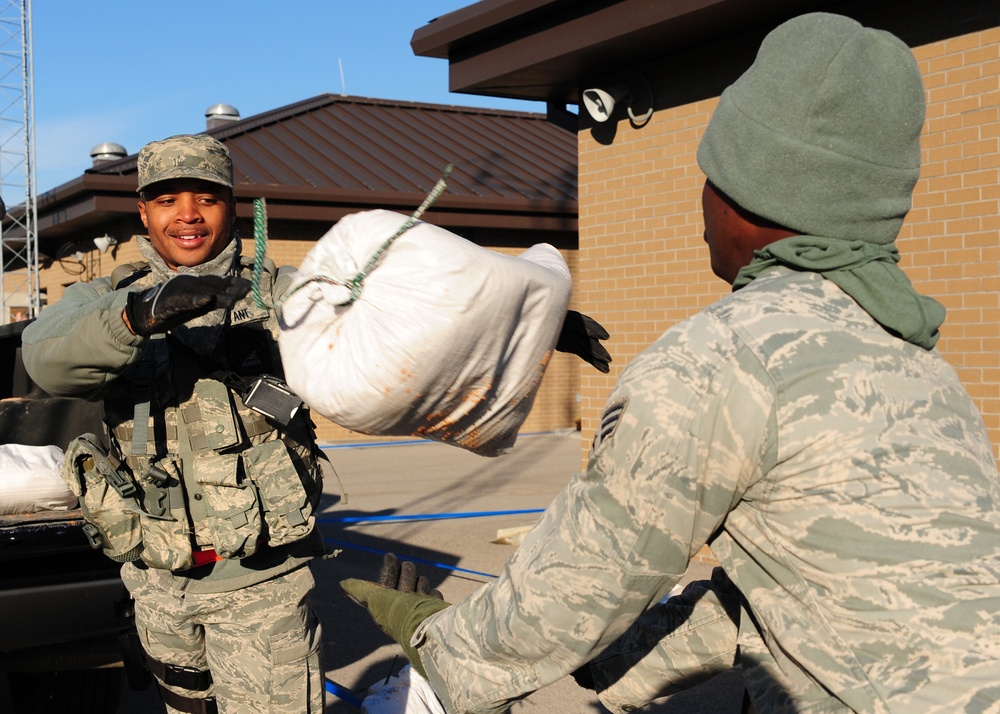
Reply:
x=584 y=677
x=581 y=335
x=182 y=298
x=403 y=577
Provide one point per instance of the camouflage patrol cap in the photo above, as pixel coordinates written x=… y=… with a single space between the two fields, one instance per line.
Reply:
x=195 y=156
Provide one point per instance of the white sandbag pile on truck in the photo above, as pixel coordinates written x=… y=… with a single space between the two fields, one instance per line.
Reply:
x=30 y=480
x=445 y=340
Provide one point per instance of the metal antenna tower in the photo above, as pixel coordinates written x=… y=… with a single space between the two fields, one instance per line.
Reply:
x=19 y=285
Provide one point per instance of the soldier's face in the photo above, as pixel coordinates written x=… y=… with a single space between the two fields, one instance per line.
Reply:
x=189 y=221
x=723 y=234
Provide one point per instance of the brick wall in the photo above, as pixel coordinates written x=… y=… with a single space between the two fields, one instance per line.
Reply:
x=644 y=265
x=951 y=239
x=643 y=262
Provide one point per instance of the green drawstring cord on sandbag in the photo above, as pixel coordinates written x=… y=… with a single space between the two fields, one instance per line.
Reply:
x=260 y=249
x=355 y=283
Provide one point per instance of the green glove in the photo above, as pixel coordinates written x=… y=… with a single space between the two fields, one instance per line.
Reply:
x=397 y=613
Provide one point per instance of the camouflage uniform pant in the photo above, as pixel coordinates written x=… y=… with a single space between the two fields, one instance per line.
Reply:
x=672 y=647
x=261 y=643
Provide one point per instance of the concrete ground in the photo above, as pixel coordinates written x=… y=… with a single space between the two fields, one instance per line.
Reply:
x=436 y=482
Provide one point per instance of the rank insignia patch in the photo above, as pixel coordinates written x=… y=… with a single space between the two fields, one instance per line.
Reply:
x=609 y=421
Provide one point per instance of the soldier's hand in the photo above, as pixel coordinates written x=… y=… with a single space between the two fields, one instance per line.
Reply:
x=396 y=608
x=581 y=335
x=182 y=298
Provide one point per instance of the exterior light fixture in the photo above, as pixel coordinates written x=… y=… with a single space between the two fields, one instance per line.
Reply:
x=600 y=103
x=105 y=242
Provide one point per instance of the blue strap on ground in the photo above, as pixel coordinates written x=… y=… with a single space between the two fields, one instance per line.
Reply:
x=343 y=693
x=345 y=544
x=420 y=517
x=428 y=516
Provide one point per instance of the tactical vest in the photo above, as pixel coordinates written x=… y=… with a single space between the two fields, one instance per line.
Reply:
x=210 y=472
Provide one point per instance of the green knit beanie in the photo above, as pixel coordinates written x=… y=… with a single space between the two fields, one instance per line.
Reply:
x=822 y=133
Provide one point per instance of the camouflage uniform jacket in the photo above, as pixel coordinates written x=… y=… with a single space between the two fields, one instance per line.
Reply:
x=199 y=432
x=842 y=476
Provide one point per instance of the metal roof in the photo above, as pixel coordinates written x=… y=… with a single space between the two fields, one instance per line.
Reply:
x=322 y=158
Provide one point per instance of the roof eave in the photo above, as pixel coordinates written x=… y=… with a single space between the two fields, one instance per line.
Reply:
x=90 y=199
x=543 y=49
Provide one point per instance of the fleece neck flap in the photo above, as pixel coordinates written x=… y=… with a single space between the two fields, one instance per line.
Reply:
x=867 y=272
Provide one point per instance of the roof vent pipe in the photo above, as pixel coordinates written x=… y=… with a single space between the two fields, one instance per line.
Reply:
x=219 y=114
x=108 y=151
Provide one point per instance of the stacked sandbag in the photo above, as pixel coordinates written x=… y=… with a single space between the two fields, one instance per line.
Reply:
x=30 y=480
x=443 y=339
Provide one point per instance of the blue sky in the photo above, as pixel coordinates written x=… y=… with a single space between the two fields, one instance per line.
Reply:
x=130 y=72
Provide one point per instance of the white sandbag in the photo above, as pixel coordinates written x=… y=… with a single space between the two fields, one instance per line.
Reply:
x=30 y=480
x=446 y=340
x=408 y=693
